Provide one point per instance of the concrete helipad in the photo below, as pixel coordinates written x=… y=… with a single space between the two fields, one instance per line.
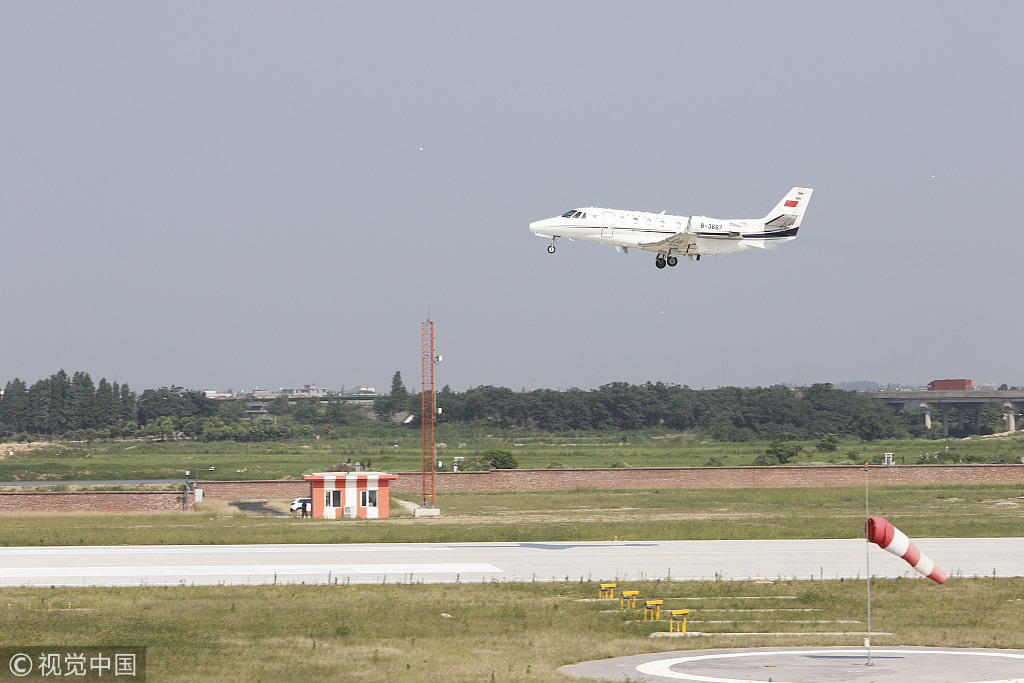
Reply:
x=812 y=665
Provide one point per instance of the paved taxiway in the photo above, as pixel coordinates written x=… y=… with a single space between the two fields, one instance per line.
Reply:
x=450 y=562
x=811 y=665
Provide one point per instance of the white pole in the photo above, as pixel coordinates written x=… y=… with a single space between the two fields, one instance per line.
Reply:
x=867 y=561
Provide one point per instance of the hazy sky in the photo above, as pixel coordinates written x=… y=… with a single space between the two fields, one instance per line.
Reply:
x=240 y=194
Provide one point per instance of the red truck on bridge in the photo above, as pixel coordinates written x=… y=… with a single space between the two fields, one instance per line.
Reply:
x=950 y=385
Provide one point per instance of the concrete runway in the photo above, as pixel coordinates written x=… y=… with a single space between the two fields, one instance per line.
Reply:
x=470 y=562
x=811 y=665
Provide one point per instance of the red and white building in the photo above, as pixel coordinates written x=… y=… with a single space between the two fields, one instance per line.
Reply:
x=350 y=494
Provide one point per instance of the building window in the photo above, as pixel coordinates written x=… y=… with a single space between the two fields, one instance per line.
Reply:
x=332 y=499
x=368 y=499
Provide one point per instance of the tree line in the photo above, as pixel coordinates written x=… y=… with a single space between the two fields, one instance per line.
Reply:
x=60 y=404
x=723 y=414
x=73 y=406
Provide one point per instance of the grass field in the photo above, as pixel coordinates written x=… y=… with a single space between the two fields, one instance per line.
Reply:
x=651 y=514
x=501 y=632
x=289 y=460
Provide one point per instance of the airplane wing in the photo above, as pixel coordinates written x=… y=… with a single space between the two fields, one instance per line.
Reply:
x=679 y=241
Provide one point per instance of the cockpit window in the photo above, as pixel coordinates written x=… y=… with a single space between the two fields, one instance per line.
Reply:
x=574 y=214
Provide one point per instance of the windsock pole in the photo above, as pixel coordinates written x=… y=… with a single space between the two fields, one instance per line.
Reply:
x=867 y=562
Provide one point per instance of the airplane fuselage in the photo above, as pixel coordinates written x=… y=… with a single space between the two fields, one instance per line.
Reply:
x=669 y=235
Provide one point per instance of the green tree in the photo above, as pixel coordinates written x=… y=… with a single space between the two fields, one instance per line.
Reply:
x=14 y=407
x=38 y=419
x=398 y=400
x=307 y=412
x=165 y=426
x=106 y=413
x=82 y=409
x=60 y=404
x=829 y=442
x=781 y=452
x=869 y=427
x=399 y=394
x=501 y=460
x=173 y=402
x=279 y=406
x=128 y=402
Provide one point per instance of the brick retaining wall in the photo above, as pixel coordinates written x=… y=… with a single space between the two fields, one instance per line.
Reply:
x=649 y=477
x=255 y=490
x=536 y=480
x=91 y=501
x=711 y=477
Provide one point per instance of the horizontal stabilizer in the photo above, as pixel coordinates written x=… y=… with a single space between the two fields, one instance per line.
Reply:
x=781 y=222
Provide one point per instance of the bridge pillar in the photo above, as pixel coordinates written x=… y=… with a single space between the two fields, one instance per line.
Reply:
x=1009 y=417
x=927 y=418
x=977 y=420
x=945 y=420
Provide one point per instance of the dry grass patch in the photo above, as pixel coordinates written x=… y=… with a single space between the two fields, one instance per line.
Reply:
x=505 y=632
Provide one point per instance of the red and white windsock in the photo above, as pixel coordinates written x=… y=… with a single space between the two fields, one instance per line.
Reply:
x=888 y=537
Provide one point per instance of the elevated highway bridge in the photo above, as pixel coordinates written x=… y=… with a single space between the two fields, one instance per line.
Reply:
x=964 y=402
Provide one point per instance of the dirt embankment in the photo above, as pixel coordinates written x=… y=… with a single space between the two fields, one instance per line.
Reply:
x=9 y=449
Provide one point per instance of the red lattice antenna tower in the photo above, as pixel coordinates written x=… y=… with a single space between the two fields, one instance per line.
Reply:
x=428 y=411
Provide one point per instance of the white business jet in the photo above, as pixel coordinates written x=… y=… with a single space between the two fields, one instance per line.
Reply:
x=670 y=236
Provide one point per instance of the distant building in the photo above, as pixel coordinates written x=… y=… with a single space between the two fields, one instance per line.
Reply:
x=308 y=391
x=217 y=395
x=264 y=393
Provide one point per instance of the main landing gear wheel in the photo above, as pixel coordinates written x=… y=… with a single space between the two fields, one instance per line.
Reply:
x=672 y=261
x=659 y=261
x=551 y=249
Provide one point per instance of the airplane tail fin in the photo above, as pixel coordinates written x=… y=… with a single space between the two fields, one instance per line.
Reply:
x=788 y=213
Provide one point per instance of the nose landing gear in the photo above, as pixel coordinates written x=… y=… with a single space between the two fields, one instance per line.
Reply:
x=551 y=247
